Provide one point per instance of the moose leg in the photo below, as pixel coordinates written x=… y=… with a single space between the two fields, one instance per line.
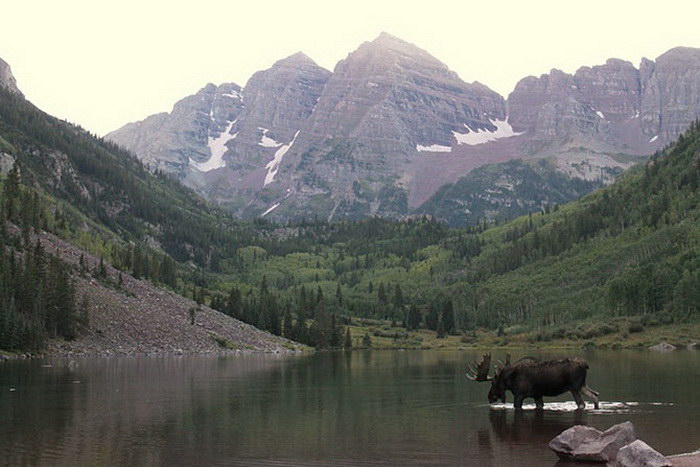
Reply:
x=591 y=394
x=518 y=402
x=539 y=403
x=577 y=397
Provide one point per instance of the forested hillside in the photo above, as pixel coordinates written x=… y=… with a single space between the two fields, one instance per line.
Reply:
x=508 y=190
x=627 y=250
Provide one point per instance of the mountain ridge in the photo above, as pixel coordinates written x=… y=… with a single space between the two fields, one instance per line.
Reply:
x=392 y=124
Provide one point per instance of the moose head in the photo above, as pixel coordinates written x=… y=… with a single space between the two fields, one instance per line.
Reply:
x=479 y=371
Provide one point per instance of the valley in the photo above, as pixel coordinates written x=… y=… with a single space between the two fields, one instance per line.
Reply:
x=372 y=256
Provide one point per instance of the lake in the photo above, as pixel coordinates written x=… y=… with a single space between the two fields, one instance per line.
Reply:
x=353 y=408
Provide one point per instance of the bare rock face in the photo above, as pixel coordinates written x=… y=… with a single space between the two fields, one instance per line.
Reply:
x=225 y=141
x=587 y=444
x=175 y=141
x=277 y=104
x=7 y=79
x=640 y=454
x=633 y=110
x=670 y=93
x=392 y=125
x=384 y=105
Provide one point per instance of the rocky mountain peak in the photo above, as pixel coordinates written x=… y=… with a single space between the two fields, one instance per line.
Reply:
x=7 y=79
x=680 y=54
x=294 y=60
x=392 y=124
x=391 y=51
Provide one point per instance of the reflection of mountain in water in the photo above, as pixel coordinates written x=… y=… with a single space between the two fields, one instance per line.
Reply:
x=363 y=407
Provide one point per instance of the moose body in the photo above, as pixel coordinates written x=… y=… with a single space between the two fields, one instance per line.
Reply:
x=529 y=377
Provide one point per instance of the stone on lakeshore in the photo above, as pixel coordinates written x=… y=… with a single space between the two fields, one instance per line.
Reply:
x=605 y=447
x=568 y=440
x=690 y=459
x=662 y=347
x=640 y=454
x=581 y=443
x=692 y=346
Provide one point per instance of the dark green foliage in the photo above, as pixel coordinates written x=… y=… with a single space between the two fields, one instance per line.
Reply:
x=441 y=331
x=37 y=299
x=414 y=317
x=536 y=184
x=347 y=344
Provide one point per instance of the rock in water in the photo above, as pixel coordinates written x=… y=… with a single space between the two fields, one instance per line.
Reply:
x=605 y=448
x=582 y=443
x=640 y=454
x=662 y=347
x=565 y=444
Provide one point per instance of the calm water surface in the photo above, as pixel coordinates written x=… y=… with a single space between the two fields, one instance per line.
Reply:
x=364 y=407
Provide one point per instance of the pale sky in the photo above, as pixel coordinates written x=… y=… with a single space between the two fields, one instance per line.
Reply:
x=103 y=63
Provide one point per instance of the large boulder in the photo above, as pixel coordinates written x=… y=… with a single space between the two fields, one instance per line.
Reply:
x=588 y=444
x=690 y=459
x=662 y=347
x=566 y=443
x=640 y=454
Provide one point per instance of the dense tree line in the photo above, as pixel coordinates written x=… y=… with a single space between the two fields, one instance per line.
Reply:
x=37 y=294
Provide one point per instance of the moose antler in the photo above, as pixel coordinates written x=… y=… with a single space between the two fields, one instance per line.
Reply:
x=500 y=365
x=480 y=371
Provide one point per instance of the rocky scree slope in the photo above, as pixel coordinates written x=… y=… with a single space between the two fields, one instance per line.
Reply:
x=140 y=318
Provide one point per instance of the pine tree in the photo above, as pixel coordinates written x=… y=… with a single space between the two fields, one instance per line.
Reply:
x=339 y=295
x=414 y=318
x=381 y=294
x=398 y=297
x=11 y=192
x=287 y=324
x=441 y=333
x=431 y=321
x=448 y=317
x=348 y=339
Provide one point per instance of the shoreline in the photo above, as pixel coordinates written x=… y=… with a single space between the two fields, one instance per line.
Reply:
x=6 y=356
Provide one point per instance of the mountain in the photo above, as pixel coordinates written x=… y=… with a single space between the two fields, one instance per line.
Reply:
x=94 y=248
x=226 y=141
x=7 y=79
x=392 y=125
x=384 y=105
x=186 y=136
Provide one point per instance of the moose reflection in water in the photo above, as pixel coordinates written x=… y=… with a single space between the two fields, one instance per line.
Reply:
x=530 y=377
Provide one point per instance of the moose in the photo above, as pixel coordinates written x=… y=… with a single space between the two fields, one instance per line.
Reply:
x=530 y=377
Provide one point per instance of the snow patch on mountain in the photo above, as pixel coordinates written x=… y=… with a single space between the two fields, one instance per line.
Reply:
x=217 y=148
x=433 y=148
x=654 y=139
x=600 y=114
x=233 y=95
x=272 y=208
x=266 y=141
x=274 y=165
x=474 y=138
